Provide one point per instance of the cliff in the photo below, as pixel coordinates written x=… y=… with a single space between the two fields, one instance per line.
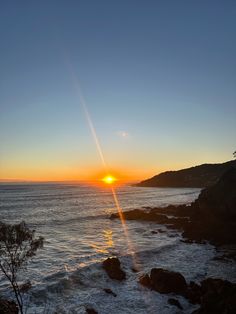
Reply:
x=211 y=217
x=200 y=176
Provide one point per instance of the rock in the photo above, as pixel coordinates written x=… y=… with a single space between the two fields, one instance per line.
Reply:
x=175 y=302
x=165 y=281
x=138 y=214
x=215 y=296
x=219 y=200
x=145 y=280
x=91 y=311
x=113 y=216
x=193 y=293
x=218 y=296
x=213 y=214
x=109 y=291
x=212 y=217
x=8 y=307
x=112 y=267
x=154 y=232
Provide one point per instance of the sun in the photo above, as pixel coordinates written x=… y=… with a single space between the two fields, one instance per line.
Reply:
x=109 y=179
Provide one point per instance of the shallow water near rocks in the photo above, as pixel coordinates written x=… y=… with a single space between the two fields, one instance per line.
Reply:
x=67 y=275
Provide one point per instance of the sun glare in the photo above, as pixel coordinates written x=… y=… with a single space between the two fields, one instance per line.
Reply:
x=109 y=179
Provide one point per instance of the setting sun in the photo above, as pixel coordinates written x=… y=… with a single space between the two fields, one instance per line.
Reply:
x=109 y=179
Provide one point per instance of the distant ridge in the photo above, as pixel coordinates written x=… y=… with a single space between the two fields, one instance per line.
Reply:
x=198 y=177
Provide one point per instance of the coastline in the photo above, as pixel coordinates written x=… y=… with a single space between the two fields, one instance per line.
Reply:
x=76 y=290
x=211 y=217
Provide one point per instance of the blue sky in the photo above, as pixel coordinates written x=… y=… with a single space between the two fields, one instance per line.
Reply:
x=163 y=72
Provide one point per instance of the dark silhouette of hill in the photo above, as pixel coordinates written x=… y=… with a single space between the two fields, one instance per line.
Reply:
x=211 y=217
x=200 y=176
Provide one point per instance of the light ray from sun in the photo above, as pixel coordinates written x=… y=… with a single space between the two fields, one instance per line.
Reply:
x=87 y=114
x=108 y=178
x=98 y=145
x=124 y=226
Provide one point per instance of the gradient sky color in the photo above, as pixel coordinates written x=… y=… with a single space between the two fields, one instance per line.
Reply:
x=158 y=79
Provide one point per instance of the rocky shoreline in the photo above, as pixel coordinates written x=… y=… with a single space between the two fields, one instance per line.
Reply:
x=213 y=295
x=212 y=217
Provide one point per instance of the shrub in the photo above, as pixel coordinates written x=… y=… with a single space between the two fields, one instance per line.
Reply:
x=18 y=245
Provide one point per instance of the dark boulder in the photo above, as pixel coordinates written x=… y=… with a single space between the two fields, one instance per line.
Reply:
x=165 y=281
x=112 y=267
x=109 y=291
x=154 y=232
x=194 y=293
x=213 y=214
x=8 y=307
x=219 y=200
x=145 y=280
x=218 y=296
x=113 y=216
x=91 y=311
x=215 y=296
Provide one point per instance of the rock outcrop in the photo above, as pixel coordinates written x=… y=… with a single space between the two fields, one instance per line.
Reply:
x=217 y=296
x=214 y=295
x=145 y=281
x=164 y=281
x=211 y=217
x=213 y=214
x=219 y=200
x=91 y=311
x=112 y=267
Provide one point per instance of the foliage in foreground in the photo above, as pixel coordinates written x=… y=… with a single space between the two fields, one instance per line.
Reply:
x=18 y=245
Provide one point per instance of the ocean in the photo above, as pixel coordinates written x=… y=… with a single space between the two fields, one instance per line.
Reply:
x=67 y=276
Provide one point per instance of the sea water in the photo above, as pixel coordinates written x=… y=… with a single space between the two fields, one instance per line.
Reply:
x=73 y=218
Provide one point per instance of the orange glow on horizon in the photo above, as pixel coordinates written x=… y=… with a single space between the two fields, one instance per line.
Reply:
x=91 y=173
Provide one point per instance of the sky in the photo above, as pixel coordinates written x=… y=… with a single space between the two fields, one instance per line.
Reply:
x=155 y=79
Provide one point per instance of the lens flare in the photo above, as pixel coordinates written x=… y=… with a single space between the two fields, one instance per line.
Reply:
x=109 y=179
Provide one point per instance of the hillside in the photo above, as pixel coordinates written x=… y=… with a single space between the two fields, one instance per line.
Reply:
x=211 y=217
x=199 y=176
